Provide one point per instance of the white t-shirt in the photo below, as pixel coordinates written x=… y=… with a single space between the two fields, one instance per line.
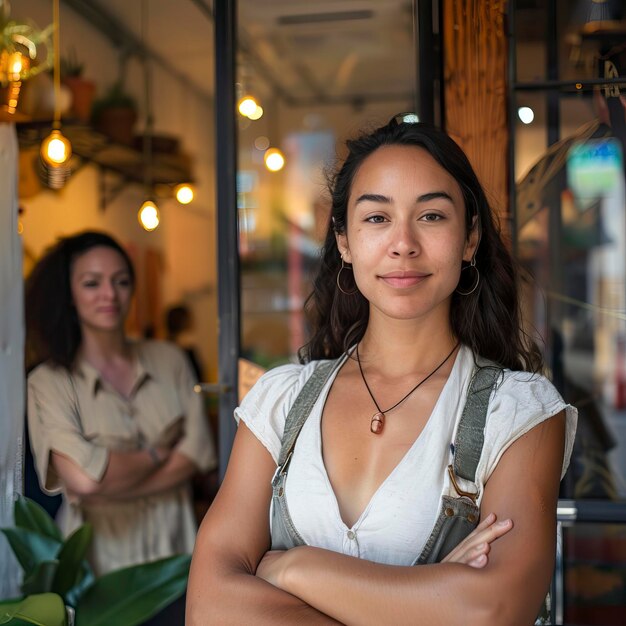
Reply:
x=397 y=521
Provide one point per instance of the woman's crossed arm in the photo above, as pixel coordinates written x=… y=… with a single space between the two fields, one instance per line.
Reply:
x=508 y=590
x=232 y=539
x=311 y=585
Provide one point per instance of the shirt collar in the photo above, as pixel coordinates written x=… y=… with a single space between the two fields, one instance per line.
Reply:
x=94 y=381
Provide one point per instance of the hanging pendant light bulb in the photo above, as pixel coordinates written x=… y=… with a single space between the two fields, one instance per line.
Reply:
x=20 y=58
x=257 y=114
x=149 y=216
x=274 y=160
x=184 y=193
x=56 y=148
x=247 y=106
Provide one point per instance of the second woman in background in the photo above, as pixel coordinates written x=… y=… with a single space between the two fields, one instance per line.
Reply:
x=114 y=423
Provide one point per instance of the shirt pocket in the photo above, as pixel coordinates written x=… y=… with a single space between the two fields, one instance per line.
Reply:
x=107 y=421
x=161 y=414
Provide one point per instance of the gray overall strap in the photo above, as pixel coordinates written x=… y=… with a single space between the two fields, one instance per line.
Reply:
x=470 y=436
x=301 y=408
x=283 y=531
x=459 y=515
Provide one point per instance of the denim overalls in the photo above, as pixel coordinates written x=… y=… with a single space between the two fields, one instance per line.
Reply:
x=458 y=514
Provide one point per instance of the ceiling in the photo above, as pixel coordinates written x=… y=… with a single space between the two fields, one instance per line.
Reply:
x=332 y=51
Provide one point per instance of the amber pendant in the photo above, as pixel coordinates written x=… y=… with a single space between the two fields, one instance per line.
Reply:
x=378 y=423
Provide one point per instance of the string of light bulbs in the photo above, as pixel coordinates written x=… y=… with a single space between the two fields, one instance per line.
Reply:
x=56 y=149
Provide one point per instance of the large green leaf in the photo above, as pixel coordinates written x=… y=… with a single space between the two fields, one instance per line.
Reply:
x=72 y=554
x=7 y=605
x=31 y=547
x=41 y=578
x=134 y=594
x=85 y=580
x=44 y=609
x=29 y=515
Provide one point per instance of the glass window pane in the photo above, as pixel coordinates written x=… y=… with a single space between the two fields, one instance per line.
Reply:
x=595 y=574
x=309 y=67
x=571 y=230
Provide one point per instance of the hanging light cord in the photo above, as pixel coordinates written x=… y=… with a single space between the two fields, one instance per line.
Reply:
x=149 y=121
x=56 y=73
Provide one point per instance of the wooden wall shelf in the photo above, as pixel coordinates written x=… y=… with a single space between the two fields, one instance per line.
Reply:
x=125 y=162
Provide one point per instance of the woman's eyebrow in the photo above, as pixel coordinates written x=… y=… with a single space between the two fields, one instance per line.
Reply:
x=427 y=197
x=434 y=195
x=373 y=197
x=98 y=274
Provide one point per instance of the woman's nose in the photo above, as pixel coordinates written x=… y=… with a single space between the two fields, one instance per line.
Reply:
x=404 y=241
x=108 y=290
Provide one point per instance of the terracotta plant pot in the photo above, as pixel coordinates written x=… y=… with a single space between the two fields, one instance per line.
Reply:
x=117 y=123
x=83 y=92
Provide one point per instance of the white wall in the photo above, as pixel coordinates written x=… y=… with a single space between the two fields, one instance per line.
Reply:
x=11 y=354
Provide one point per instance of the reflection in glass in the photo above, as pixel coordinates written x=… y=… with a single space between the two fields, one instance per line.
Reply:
x=595 y=580
x=311 y=68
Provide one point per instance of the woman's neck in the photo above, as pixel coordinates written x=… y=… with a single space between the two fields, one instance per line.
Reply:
x=100 y=348
x=398 y=347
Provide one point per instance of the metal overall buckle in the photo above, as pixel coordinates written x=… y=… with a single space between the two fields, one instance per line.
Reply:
x=467 y=494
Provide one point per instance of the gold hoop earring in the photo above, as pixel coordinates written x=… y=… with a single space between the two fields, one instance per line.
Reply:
x=345 y=267
x=472 y=265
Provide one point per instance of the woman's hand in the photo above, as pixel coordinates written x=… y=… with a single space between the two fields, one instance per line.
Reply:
x=474 y=549
x=272 y=566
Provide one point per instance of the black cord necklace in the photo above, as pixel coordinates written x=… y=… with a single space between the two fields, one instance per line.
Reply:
x=377 y=423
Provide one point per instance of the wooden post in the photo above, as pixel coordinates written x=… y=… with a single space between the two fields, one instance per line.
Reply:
x=475 y=107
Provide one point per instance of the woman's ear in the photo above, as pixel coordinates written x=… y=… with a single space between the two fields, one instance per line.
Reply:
x=473 y=240
x=342 y=245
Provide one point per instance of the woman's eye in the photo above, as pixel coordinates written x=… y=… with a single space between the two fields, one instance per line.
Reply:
x=375 y=219
x=90 y=283
x=123 y=282
x=432 y=217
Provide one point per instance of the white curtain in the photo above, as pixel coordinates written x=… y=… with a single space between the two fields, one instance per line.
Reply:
x=11 y=355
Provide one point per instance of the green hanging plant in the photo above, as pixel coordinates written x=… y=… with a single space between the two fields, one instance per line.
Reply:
x=54 y=567
x=25 y=37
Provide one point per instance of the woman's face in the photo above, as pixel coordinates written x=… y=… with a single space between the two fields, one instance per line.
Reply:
x=102 y=288
x=406 y=234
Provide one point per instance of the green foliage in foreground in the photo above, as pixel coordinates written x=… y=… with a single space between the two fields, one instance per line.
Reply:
x=57 y=574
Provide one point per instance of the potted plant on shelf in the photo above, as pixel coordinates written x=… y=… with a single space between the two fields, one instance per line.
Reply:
x=58 y=580
x=83 y=89
x=115 y=114
x=22 y=46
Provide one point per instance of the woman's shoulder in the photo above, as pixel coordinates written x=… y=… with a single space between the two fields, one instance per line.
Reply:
x=48 y=373
x=527 y=387
x=50 y=385
x=161 y=358
x=265 y=407
x=520 y=401
x=281 y=383
x=157 y=348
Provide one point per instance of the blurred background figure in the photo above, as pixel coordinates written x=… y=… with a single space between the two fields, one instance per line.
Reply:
x=115 y=424
x=179 y=324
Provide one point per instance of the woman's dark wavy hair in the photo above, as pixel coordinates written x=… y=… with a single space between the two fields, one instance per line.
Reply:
x=52 y=328
x=488 y=320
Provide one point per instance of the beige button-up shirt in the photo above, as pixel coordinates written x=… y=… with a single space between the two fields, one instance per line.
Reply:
x=82 y=417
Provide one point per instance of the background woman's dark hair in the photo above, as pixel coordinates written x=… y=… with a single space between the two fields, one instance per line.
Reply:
x=488 y=320
x=52 y=328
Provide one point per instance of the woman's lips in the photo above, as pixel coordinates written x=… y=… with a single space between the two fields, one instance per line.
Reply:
x=402 y=280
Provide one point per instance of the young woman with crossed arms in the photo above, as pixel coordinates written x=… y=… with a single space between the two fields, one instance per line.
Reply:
x=415 y=283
